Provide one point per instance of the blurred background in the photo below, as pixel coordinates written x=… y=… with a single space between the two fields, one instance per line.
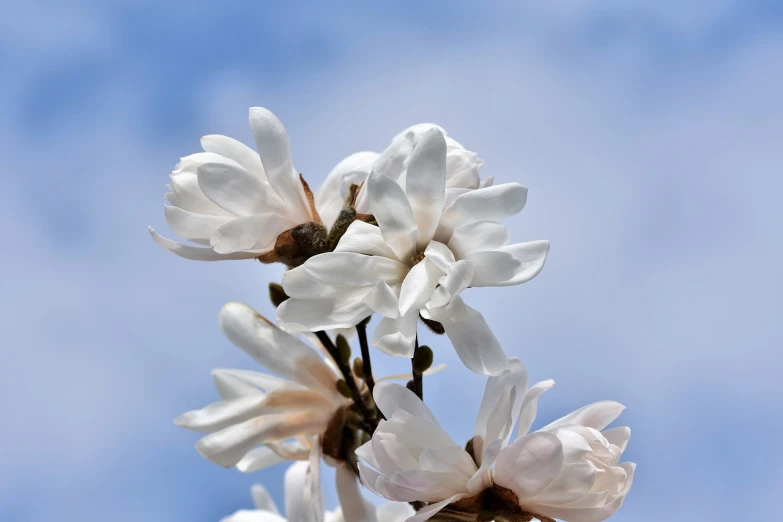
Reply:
x=649 y=134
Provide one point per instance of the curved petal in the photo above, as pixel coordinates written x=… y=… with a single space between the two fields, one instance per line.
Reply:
x=235 y=150
x=274 y=149
x=457 y=279
x=312 y=315
x=299 y=490
x=529 y=464
x=187 y=195
x=274 y=349
x=494 y=203
x=597 y=415
x=194 y=227
x=529 y=407
x=391 y=396
x=259 y=458
x=363 y=238
x=238 y=191
x=492 y=267
x=331 y=196
x=477 y=236
x=383 y=299
x=219 y=415
x=394 y=215
x=514 y=377
x=257 y=233
x=262 y=499
x=429 y=511
x=418 y=286
x=396 y=336
x=355 y=507
x=474 y=342
x=532 y=256
x=196 y=253
x=425 y=184
x=395 y=512
x=348 y=268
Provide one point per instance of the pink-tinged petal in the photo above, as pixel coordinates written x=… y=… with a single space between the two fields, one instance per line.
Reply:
x=531 y=255
x=355 y=507
x=363 y=238
x=425 y=184
x=418 y=286
x=274 y=349
x=529 y=407
x=492 y=267
x=394 y=215
x=494 y=203
x=196 y=253
x=345 y=311
x=238 y=191
x=259 y=458
x=331 y=196
x=477 y=236
x=253 y=233
x=529 y=464
x=194 y=227
x=597 y=415
x=396 y=336
x=274 y=149
x=474 y=342
x=219 y=415
x=236 y=151
x=391 y=396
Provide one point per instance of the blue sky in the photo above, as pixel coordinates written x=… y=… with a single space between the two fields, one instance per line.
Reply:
x=649 y=136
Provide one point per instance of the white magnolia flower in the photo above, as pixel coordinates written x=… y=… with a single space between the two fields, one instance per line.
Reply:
x=237 y=202
x=261 y=409
x=567 y=470
x=418 y=259
x=304 y=503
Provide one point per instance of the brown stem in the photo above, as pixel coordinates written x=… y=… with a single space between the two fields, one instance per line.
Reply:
x=361 y=329
x=347 y=376
x=418 y=383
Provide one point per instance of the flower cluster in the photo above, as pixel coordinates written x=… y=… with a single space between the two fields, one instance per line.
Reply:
x=398 y=235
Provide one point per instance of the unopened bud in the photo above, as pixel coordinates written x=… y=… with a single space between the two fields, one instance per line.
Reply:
x=276 y=294
x=343 y=348
x=422 y=359
x=358 y=367
x=343 y=388
x=434 y=326
x=411 y=386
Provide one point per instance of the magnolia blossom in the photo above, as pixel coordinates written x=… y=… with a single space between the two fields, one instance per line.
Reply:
x=304 y=502
x=568 y=470
x=237 y=202
x=261 y=409
x=423 y=253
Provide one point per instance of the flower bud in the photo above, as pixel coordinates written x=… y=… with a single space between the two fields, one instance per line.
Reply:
x=276 y=294
x=422 y=359
x=343 y=348
x=342 y=387
x=358 y=367
x=411 y=386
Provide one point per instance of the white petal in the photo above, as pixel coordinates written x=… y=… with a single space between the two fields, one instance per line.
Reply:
x=493 y=267
x=298 y=490
x=514 y=377
x=313 y=315
x=494 y=203
x=364 y=238
x=529 y=405
x=253 y=515
x=257 y=233
x=232 y=384
x=395 y=512
x=482 y=479
x=238 y=191
x=259 y=458
x=459 y=277
x=529 y=464
x=193 y=227
x=476 y=345
x=618 y=436
x=431 y=510
x=418 y=286
x=274 y=149
x=355 y=507
x=331 y=196
x=354 y=269
x=394 y=215
x=219 y=415
x=573 y=483
x=391 y=396
x=282 y=353
x=532 y=256
x=440 y=254
x=477 y=236
x=396 y=336
x=196 y=253
x=235 y=150
x=597 y=415
x=187 y=195
x=425 y=184
x=262 y=499
x=383 y=299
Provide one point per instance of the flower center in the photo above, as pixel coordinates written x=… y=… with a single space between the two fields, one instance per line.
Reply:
x=415 y=260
